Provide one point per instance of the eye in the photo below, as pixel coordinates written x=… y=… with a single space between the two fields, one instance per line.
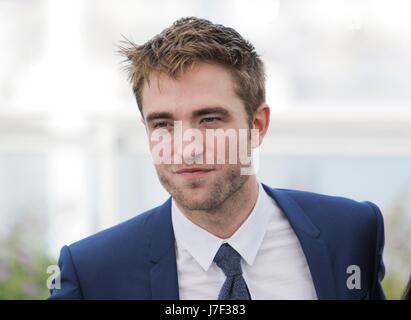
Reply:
x=210 y=119
x=162 y=124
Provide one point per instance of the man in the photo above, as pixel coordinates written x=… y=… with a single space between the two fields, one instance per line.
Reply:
x=221 y=234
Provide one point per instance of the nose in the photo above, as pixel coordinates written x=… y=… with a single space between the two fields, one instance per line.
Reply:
x=188 y=144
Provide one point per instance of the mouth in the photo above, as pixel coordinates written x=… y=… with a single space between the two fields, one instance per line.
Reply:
x=193 y=172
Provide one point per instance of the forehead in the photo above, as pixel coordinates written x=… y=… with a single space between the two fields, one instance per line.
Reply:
x=203 y=85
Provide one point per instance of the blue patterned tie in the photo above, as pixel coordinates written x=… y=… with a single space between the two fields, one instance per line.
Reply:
x=234 y=287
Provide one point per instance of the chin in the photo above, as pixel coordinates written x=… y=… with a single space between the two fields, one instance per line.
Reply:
x=194 y=203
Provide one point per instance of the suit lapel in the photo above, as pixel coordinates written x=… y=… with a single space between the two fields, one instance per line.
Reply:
x=163 y=273
x=314 y=248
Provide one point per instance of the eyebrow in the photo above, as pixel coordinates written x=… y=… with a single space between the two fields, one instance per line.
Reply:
x=195 y=114
x=216 y=110
x=159 y=115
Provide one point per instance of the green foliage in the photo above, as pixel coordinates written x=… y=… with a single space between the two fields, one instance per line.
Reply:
x=397 y=253
x=22 y=266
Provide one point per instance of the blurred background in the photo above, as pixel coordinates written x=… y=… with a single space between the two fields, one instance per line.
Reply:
x=74 y=157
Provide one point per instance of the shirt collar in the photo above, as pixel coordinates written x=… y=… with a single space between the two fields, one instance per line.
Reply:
x=203 y=245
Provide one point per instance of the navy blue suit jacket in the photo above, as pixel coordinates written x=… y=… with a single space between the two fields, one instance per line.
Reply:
x=136 y=259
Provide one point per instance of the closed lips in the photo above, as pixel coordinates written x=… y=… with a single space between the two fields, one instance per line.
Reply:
x=193 y=170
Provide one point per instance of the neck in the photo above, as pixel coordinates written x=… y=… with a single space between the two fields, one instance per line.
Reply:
x=225 y=220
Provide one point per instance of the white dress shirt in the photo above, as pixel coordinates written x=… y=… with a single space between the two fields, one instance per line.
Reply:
x=273 y=263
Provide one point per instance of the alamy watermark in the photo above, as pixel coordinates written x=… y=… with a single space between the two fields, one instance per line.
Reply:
x=209 y=146
x=53 y=281
x=354 y=278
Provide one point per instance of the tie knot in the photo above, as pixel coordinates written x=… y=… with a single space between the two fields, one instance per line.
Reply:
x=228 y=260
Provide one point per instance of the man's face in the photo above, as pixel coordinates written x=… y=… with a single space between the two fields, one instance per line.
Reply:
x=202 y=98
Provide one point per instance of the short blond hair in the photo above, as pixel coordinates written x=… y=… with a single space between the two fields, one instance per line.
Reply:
x=192 y=40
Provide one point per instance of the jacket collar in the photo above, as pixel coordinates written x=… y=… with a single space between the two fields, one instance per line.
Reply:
x=163 y=273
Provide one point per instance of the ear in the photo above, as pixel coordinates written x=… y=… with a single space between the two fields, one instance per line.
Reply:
x=261 y=122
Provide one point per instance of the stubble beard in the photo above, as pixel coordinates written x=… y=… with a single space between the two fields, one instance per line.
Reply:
x=226 y=185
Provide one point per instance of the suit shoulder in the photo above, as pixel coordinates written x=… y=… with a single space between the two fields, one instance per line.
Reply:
x=337 y=207
x=131 y=231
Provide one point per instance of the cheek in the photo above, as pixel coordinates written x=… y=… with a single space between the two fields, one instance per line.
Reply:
x=161 y=148
x=224 y=147
x=161 y=168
